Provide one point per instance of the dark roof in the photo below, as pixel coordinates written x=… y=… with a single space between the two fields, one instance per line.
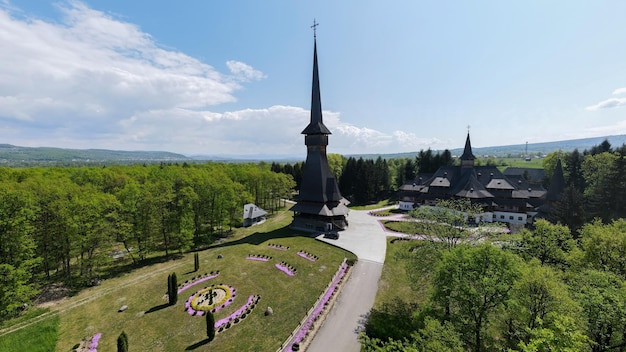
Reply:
x=478 y=182
x=316 y=126
x=531 y=174
x=467 y=151
x=334 y=209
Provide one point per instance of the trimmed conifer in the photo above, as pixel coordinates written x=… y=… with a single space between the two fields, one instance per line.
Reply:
x=122 y=342
x=210 y=326
x=174 y=295
x=196 y=261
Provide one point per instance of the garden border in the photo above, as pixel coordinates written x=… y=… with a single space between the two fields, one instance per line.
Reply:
x=292 y=335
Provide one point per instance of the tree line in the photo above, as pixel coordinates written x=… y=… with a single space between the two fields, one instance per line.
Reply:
x=364 y=181
x=595 y=185
x=78 y=224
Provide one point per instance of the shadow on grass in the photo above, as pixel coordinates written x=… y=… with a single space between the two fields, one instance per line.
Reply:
x=129 y=266
x=197 y=345
x=259 y=237
x=157 y=308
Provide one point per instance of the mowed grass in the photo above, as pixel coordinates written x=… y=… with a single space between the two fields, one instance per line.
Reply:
x=151 y=325
x=38 y=337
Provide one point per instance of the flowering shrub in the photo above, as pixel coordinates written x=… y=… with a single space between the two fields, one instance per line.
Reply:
x=286 y=268
x=259 y=257
x=308 y=256
x=187 y=284
x=197 y=304
x=94 y=342
x=239 y=314
x=304 y=329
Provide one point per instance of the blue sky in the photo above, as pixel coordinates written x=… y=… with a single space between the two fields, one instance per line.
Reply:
x=234 y=77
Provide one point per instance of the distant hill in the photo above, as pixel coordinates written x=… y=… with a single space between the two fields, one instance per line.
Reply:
x=11 y=155
x=518 y=149
x=14 y=155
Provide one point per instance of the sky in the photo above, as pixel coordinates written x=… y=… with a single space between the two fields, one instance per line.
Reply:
x=233 y=77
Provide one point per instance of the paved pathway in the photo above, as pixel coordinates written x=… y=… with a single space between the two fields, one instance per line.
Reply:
x=366 y=238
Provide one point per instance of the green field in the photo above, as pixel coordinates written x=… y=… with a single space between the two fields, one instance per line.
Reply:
x=38 y=337
x=151 y=325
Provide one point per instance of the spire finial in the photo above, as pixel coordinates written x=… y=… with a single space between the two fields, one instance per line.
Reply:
x=468 y=128
x=314 y=26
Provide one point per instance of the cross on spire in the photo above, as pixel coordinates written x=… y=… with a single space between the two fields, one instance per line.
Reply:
x=314 y=26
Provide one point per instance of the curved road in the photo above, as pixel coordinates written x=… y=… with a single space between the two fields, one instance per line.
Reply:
x=366 y=238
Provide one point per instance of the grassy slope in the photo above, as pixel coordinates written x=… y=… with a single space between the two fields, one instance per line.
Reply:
x=39 y=337
x=172 y=329
x=394 y=283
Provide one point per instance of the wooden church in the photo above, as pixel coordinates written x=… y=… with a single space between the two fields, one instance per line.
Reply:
x=320 y=206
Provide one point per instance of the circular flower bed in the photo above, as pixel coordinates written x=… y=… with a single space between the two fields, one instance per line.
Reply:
x=200 y=302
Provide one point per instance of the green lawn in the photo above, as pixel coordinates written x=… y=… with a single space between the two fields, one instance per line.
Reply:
x=172 y=329
x=38 y=337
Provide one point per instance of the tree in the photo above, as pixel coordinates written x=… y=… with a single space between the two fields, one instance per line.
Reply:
x=573 y=170
x=470 y=284
x=600 y=193
x=604 y=246
x=547 y=242
x=210 y=326
x=196 y=262
x=122 y=342
x=538 y=299
x=564 y=336
x=172 y=289
x=445 y=222
x=603 y=300
x=570 y=210
x=433 y=337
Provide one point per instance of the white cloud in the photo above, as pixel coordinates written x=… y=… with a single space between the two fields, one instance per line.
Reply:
x=620 y=91
x=611 y=102
x=90 y=70
x=93 y=81
x=244 y=72
x=607 y=104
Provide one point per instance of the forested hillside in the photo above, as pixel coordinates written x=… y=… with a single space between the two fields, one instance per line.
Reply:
x=75 y=225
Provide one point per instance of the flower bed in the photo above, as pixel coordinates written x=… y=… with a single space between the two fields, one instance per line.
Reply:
x=308 y=256
x=238 y=315
x=277 y=246
x=197 y=304
x=194 y=281
x=304 y=329
x=286 y=268
x=259 y=257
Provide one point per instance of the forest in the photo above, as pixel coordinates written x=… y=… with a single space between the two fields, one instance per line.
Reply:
x=78 y=225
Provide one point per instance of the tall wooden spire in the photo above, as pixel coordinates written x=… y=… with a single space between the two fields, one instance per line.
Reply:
x=316 y=126
x=320 y=205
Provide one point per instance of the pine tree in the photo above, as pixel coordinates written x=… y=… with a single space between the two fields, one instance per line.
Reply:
x=122 y=342
x=196 y=262
x=169 y=288
x=210 y=326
